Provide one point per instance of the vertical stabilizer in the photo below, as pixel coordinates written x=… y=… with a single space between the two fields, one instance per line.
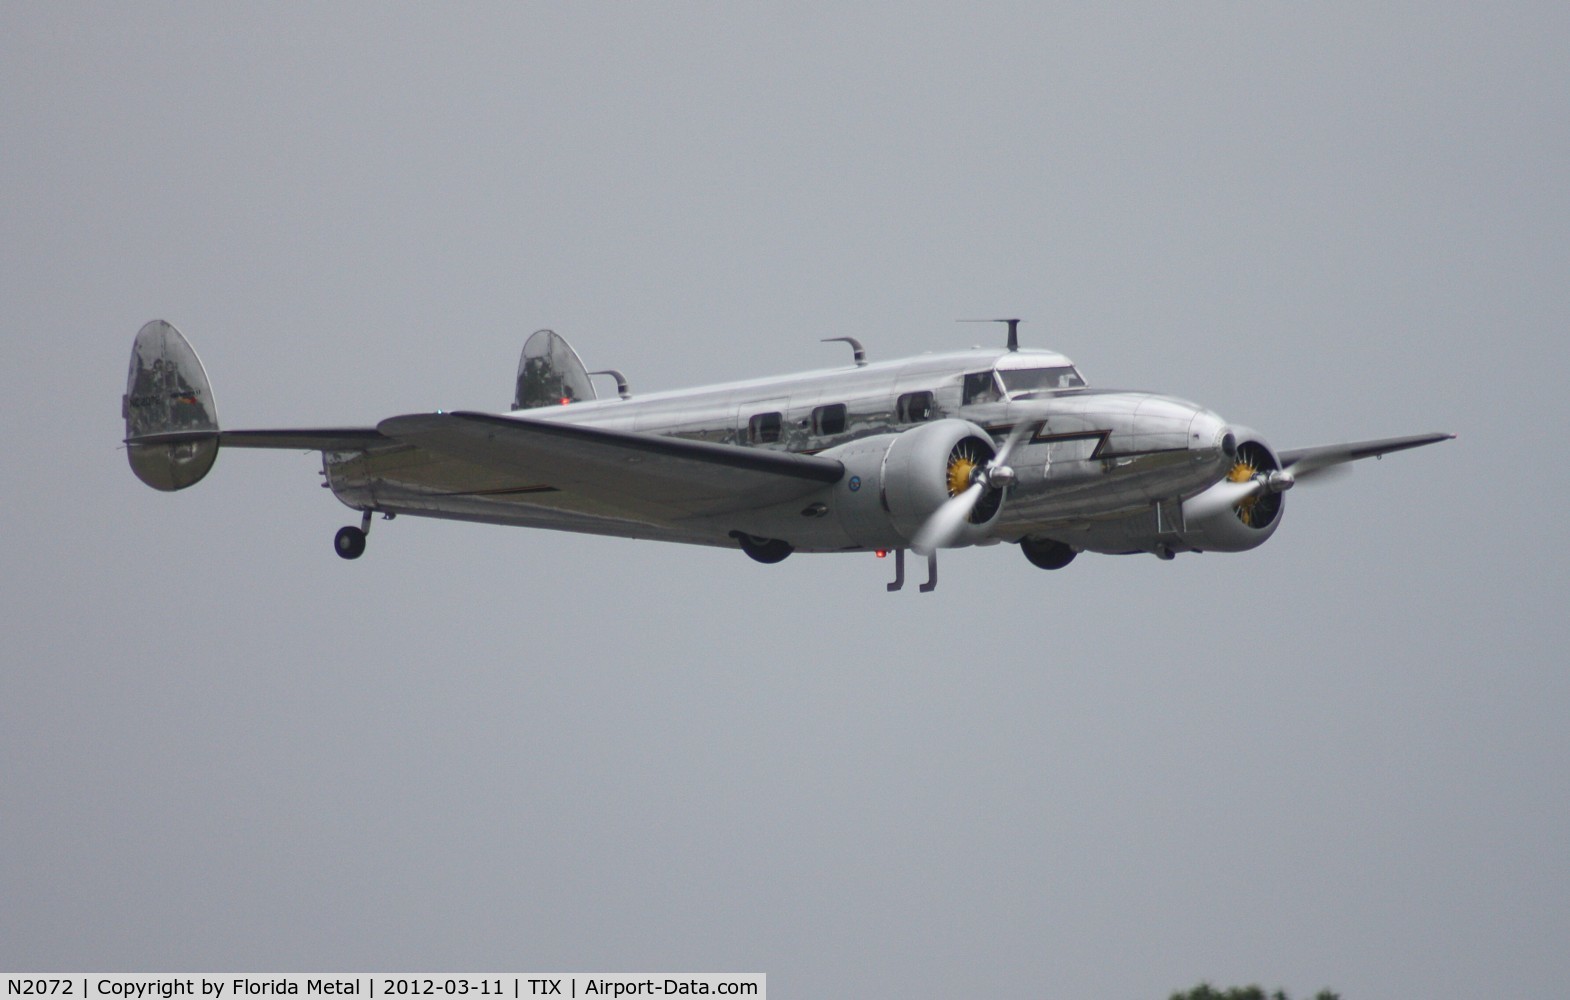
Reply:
x=171 y=426
x=550 y=373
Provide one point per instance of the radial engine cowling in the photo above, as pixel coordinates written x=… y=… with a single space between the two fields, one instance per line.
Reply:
x=1246 y=524
x=895 y=482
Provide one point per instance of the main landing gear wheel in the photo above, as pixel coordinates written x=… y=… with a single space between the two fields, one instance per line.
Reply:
x=1046 y=553
x=349 y=543
x=764 y=550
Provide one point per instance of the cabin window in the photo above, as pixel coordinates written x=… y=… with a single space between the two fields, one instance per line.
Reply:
x=829 y=419
x=980 y=387
x=914 y=407
x=764 y=428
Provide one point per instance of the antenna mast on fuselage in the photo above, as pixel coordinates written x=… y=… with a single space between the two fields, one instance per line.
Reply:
x=860 y=354
x=1013 y=343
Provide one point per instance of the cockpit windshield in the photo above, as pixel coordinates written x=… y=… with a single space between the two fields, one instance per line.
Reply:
x=1039 y=379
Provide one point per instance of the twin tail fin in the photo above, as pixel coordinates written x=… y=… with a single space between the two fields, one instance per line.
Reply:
x=171 y=425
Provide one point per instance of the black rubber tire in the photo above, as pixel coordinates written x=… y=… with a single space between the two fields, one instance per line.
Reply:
x=1046 y=553
x=349 y=543
x=765 y=550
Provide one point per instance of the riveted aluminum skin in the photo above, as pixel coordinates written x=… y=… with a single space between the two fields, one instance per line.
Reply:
x=1102 y=454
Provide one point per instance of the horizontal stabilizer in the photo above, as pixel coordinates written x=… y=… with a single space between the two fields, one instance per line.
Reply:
x=307 y=439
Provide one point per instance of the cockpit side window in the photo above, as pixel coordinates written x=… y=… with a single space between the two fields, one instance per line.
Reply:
x=1042 y=379
x=981 y=387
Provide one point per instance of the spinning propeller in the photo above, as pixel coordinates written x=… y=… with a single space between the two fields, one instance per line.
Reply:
x=1241 y=490
x=1248 y=485
x=943 y=528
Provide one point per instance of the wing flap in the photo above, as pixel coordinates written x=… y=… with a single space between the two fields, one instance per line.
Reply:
x=640 y=474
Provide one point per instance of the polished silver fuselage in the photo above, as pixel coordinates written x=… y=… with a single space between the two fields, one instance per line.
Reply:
x=1098 y=467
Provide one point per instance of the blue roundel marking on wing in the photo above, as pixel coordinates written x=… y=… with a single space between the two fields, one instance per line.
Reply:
x=855 y=483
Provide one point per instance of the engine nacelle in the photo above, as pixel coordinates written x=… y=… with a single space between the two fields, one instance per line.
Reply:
x=1249 y=523
x=895 y=482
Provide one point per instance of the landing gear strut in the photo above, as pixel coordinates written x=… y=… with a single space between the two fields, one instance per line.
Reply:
x=899 y=572
x=349 y=543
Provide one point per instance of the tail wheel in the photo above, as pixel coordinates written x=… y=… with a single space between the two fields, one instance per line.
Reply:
x=968 y=458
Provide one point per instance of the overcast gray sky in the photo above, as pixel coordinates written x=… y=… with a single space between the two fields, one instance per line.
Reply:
x=1337 y=760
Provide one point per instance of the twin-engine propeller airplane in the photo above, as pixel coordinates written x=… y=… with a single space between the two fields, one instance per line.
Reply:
x=939 y=451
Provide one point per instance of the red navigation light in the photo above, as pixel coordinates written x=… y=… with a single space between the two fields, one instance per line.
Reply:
x=882 y=553
x=565 y=401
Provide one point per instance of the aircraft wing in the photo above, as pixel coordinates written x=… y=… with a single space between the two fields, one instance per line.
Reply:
x=1306 y=461
x=639 y=474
